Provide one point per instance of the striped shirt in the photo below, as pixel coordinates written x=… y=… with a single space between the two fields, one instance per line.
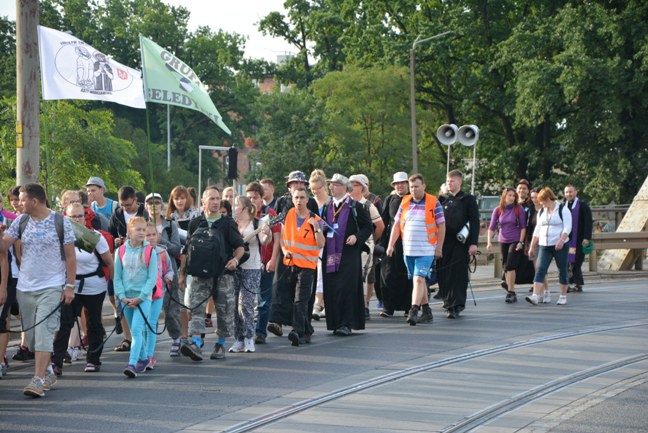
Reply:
x=415 y=239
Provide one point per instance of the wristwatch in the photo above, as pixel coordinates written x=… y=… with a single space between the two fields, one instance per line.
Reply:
x=71 y=286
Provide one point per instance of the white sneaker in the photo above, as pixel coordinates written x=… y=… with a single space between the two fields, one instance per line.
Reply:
x=49 y=380
x=533 y=299
x=546 y=298
x=74 y=352
x=237 y=347
x=562 y=300
x=249 y=345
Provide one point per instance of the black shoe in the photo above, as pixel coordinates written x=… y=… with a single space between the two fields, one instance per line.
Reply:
x=511 y=298
x=259 y=339
x=23 y=354
x=437 y=295
x=386 y=313
x=450 y=313
x=367 y=314
x=426 y=316
x=504 y=285
x=342 y=331
x=307 y=337
x=275 y=328
x=412 y=316
x=118 y=326
x=294 y=339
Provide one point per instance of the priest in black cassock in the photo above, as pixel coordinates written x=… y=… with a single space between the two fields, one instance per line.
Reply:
x=348 y=228
x=396 y=287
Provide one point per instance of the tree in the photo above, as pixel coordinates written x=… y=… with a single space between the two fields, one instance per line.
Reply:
x=539 y=79
x=367 y=124
x=76 y=143
x=7 y=57
x=291 y=133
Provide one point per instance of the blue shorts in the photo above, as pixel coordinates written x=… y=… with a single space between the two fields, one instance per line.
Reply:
x=418 y=265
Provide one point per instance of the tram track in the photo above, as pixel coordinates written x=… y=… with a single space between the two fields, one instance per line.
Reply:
x=481 y=418
x=475 y=419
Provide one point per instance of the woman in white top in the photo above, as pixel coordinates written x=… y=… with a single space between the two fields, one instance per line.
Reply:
x=553 y=226
x=90 y=290
x=248 y=274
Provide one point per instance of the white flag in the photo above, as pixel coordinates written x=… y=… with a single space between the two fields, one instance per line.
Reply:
x=72 y=69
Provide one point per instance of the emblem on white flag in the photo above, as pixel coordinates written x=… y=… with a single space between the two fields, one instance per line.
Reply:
x=72 y=69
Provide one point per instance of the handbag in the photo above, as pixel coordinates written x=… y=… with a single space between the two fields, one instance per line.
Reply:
x=588 y=249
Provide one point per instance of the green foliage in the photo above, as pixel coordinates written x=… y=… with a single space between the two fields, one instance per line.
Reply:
x=367 y=123
x=80 y=143
x=76 y=142
x=557 y=88
x=7 y=57
x=291 y=134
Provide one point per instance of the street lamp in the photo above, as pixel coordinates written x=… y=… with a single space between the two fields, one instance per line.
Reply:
x=416 y=42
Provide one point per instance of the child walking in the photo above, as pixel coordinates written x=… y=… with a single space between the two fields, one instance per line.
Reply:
x=136 y=273
x=165 y=276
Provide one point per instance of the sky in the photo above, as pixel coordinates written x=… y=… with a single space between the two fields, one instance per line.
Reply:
x=239 y=16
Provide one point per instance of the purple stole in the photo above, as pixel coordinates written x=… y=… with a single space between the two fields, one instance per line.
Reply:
x=573 y=242
x=335 y=244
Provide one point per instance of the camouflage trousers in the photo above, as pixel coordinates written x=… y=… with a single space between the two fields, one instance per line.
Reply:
x=224 y=300
x=247 y=287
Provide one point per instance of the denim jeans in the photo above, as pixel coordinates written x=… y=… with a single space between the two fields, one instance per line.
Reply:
x=265 y=302
x=545 y=254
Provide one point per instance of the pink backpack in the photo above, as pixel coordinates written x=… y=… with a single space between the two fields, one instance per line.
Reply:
x=157 y=290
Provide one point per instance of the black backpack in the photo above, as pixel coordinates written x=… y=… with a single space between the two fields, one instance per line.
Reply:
x=206 y=247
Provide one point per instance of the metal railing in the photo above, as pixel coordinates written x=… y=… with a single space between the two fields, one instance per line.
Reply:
x=602 y=241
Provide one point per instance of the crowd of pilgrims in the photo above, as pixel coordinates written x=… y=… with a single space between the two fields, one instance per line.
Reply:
x=282 y=268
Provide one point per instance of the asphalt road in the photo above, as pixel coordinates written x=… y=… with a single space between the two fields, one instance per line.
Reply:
x=582 y=367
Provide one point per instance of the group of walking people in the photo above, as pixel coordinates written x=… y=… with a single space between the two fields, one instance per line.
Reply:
x=534 y=228
x=260 y=263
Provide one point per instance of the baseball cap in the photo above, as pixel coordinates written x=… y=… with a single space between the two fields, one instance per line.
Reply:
x=96 y=181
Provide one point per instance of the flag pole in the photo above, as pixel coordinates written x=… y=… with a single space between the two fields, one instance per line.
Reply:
x=168 y=137
x=150 y=153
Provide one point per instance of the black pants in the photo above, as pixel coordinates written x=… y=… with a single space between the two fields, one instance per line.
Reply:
x=69 y=313
x=576 y=271
x=301 y=281
x=452 y=271
x=10 y=306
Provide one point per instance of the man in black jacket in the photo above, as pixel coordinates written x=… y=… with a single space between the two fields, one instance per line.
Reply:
x=128 y=208
x=459 y=208
x=580 y=237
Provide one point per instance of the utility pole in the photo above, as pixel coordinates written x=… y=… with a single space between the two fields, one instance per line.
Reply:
x=416 y=42
x=27 y=93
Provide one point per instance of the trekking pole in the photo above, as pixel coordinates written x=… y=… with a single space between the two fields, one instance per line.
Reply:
x=473 y=261
x=472 y=293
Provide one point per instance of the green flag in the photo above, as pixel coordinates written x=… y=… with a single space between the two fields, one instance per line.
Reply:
x=168 y=80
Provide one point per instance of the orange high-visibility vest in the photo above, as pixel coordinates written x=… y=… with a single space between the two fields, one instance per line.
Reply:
x=300 y=241
x=430 y=221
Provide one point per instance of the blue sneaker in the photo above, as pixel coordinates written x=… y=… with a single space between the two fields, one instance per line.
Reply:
x=380 y=305
x=130 y=371
x=141 y=365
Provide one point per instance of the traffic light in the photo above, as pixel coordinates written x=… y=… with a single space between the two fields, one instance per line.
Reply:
x=233 y=159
